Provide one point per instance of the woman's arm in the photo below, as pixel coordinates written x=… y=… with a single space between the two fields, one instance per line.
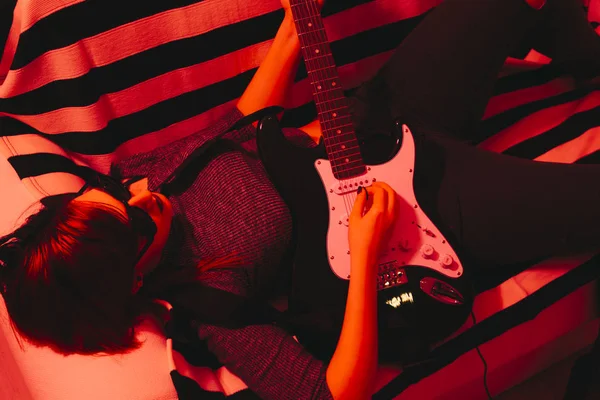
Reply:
x=351 y=372
x=274 y=365
x=275 y=76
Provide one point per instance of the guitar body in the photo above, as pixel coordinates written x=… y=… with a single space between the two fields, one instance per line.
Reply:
x=423 y=295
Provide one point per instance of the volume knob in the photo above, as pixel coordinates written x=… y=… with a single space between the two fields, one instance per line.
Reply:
x=446 y=261
x=427 y=251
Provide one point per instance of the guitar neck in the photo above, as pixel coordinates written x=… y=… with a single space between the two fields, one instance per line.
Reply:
x=331 y=103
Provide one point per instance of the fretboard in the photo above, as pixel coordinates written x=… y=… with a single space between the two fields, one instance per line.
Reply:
x=332 y=105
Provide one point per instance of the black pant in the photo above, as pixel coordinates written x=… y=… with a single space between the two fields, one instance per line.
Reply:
x=501 y=209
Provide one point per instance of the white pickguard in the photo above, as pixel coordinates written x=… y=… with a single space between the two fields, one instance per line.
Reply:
x=414 y=240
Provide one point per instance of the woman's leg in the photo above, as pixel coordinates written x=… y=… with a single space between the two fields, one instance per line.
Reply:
x=565 y=35
x=442 y=75
x=507 y=210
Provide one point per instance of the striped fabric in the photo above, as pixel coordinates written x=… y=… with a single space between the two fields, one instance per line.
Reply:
x=88 y=83
x=109 y=84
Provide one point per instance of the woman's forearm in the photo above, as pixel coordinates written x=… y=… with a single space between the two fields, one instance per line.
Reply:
x=275 y=76
x=351 y=372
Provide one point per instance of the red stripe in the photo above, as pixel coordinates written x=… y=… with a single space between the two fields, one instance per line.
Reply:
x=372 y=15
x=124 y=41
x=539 y=122
x=573 y=150
x=27 y=14
x=172 y=84
x=169 y=134
x=139 y=97
x=507 y=101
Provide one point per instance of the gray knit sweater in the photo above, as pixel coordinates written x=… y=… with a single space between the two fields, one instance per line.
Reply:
x=231 y=208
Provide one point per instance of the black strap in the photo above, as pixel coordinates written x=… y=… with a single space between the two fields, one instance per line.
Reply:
x=201 y=151
x=255 y=116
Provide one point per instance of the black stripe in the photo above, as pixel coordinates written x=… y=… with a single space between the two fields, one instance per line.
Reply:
x=125 y=73
x=6 y=19
x=148 y=120
x=593 y=158
x=190 y=104
x=491 y=126
x=93 y=17
x=138 y=68
x=30 y=165
x=527 y=79
x=493 y=326
x=573 y=127
x=82 y=20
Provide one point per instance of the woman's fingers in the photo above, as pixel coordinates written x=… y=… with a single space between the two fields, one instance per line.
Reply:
x=377 y=202
x=390 y=197
x=359 y=204
x=378 y=198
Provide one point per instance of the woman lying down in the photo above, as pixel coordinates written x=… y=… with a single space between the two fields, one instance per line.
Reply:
x=79 y=273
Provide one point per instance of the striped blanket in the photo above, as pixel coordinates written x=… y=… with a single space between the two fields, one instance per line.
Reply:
x=88 y=83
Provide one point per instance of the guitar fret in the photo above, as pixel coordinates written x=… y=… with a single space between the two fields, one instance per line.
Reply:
x=324 y=91
x=321 y=69
x=335 y=120
x=339 y=137
x=337 y=148
x=334 y=109
x=361 y=167
x=317 y=57
x=311 y=17
x=334 y=124
x=331 y=105
x=322 y=97
x=337 y=127
x=312 y=31
x=326 y=79
x=343 y=150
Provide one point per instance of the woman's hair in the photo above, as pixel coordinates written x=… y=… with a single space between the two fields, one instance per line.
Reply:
x=67 y=276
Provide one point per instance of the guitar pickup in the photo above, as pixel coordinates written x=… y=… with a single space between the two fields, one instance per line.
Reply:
x=351 y=185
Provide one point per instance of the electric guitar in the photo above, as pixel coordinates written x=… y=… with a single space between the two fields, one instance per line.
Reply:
x=423 y=294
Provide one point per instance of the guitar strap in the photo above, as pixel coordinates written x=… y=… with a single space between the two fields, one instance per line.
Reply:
x=201 y=151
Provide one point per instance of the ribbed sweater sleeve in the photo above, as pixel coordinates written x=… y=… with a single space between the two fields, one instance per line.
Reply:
x=267 y=358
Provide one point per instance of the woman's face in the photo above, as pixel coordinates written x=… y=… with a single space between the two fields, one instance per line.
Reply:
x=157 y=206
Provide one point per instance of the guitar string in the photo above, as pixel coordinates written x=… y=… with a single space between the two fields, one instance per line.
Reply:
x=323 y=67
x=348 y=198
x=321 y=74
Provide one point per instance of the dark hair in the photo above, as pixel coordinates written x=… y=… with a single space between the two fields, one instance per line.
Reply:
x=68 y=275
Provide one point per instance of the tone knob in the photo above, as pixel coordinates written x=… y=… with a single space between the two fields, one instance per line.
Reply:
x=446 y=261
x=427 y=251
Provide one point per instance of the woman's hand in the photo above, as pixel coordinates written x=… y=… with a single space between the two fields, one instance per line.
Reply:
x=371 y=220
